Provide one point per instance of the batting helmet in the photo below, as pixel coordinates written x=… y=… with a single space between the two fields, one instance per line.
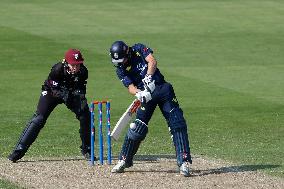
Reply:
x=118 y=52
x=74 y=56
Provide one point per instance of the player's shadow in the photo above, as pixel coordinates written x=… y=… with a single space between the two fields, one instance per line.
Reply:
x=232 y=169
x=49 y=160
x=39 y=159
x=171 y=158
x=153 y=158
x=195 y=172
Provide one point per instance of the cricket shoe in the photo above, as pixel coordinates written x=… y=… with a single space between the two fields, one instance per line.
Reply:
x=15 y=156
x=184 y=169
x=120 y=166
x=18 y=153
x=86 y=152
x=86 y=155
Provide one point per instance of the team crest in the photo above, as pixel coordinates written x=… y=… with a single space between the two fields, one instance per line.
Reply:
x=115 y=55
x=76 y=56
x=54 y=83
x=44 y=93
x=141 y=67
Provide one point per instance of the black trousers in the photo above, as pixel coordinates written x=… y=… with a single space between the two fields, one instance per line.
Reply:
x=46 y=104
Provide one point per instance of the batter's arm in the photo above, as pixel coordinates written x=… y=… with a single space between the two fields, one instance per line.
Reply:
x=152 y=64
x=132 y=89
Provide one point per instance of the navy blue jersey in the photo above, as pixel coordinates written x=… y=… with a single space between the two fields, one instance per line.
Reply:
x=136 y=68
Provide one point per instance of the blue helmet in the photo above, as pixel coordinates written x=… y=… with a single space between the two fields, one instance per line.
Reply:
x=118 y=52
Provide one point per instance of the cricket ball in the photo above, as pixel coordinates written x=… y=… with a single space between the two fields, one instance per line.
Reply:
x=132 y=125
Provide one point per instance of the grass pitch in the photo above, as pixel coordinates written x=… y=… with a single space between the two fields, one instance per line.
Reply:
x=224 y=59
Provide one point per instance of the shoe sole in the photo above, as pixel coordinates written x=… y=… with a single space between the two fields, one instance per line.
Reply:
x=185 y=174
x=13 y=160
x=117 y=171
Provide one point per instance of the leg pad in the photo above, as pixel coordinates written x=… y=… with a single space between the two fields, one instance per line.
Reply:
x=136 y=133
x=178 y=129
x=138 y=130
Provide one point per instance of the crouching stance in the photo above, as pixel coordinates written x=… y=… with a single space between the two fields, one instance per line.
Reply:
x=66 y=83
x=137 y=69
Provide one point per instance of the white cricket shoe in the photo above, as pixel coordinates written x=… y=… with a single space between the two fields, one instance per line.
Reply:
x=119 y=168
x=184 y=169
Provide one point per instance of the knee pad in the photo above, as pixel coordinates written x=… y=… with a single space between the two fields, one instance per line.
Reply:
x=36 y=123
x=85 y=131
x=138 y=130
x=84 y=117
x=32 y=130
x=176 y=120
x=82 y=113
x=38 y=119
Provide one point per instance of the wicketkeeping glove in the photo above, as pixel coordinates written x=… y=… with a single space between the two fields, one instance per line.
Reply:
x=79 y=93
x=144 y=96
x=149 y=83
x=79 y=99
x=60 y=93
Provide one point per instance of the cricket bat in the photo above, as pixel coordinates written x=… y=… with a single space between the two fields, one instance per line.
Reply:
x=125 y=119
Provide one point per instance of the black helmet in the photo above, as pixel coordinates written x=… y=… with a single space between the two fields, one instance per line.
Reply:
x=118 y=52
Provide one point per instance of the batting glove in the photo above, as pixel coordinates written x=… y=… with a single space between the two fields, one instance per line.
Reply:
x=143 y=96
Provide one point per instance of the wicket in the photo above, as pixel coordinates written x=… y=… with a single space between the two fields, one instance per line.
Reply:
x=100 y=131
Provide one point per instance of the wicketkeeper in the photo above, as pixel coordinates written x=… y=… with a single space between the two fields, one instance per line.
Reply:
x=137 y=68
x=66 y=83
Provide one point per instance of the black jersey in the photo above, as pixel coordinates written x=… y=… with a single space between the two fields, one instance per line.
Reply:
x=59 y=78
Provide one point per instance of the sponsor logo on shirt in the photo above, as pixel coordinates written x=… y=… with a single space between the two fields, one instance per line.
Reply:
x=54 y=83
x=44 y=93
x=141 y=67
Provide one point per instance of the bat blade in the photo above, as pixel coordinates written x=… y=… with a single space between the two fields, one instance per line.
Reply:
x=125 y=119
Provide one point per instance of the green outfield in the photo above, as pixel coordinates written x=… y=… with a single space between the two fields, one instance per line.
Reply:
x=7 y=185
x=224 y=58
